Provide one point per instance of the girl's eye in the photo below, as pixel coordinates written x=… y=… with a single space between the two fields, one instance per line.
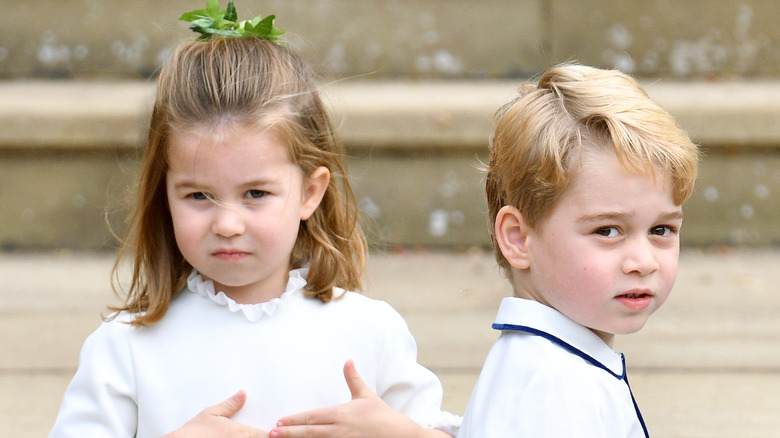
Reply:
x=255 y=194
x=663 y=230
x=607 y=231
x=199 y=196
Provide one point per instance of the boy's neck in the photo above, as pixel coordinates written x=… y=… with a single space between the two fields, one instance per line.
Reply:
x=521 y=290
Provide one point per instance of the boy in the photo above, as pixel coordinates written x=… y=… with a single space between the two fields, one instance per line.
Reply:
x=585 y=185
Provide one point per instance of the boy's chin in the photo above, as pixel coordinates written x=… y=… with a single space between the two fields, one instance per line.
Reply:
x=630 y=329
x=624 y=329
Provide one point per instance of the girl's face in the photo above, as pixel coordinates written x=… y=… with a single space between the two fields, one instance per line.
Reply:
x=606 y=257
x=237 y=201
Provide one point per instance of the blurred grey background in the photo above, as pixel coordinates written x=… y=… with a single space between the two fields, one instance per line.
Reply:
x=413 y=86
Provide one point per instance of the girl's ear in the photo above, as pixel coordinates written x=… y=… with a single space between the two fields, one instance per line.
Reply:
x=313 y=190
x=512 y=236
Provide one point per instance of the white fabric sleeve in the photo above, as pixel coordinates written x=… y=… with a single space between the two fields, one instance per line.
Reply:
x=100 y=400
x=407 y=386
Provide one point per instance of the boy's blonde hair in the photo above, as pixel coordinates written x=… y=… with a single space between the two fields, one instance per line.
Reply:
x=255 y=83
x=539 y=136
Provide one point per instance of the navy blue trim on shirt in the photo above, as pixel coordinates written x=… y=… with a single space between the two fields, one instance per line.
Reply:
x=586 y=357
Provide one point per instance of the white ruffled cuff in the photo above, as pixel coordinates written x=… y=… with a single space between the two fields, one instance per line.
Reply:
x=449 y=423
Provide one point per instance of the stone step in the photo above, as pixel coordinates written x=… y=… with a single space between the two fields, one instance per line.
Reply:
x=103 y=114
x=69 y=152
x=705 y=366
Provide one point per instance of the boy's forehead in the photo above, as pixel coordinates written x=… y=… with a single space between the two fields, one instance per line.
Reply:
x=591 y=153
x=602 y=171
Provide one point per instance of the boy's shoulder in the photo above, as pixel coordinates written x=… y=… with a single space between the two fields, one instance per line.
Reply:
x=535 y=375
x=540 y=356
x=543 y=344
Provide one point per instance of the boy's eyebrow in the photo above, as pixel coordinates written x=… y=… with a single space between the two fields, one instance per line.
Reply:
x=672 y=215
x=600 y=217
x=603 y=217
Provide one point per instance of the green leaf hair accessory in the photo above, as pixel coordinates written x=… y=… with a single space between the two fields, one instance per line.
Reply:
x=224 y=22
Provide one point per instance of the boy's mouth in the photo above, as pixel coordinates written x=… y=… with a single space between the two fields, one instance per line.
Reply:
x=638 y=299
x=635 y=295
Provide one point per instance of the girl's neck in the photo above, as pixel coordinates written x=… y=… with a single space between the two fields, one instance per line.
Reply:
x=255 y=293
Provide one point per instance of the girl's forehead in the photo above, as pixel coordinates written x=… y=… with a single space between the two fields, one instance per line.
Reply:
x=226 y=136
x=224 y=128
x=241 y=147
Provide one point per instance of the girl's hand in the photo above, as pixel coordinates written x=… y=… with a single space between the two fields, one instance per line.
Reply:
x=215 y=422
x=366 y=415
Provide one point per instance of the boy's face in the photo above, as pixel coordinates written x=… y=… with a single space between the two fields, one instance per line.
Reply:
x=606 y=257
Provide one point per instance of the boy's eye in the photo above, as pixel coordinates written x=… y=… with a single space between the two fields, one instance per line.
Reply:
x=607 y=231
x=663 y=230
x=255 y=194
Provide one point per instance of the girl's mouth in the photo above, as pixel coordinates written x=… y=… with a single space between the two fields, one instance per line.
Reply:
x=230 y=255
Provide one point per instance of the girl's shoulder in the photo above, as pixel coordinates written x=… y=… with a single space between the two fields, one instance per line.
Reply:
x=360 y=305
x=117 y=324
x=111 y=339
x=359 y=299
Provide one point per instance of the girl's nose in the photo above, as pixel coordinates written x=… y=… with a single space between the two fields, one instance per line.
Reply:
x=228 y=221
x=640 y=258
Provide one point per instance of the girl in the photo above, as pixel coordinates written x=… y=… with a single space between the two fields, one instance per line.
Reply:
x=244 y=239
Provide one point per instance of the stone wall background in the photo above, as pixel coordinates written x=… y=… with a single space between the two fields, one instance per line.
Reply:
x=423 y=39
x=412 y=86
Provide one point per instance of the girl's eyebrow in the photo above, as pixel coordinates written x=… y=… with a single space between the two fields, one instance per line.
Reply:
x=189 y=184
x=258 y=182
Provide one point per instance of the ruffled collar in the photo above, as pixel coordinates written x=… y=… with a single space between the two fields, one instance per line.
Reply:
x=253 y=312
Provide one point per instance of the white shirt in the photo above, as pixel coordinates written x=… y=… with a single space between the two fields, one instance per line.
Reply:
x=288 y=354
x=547 y=376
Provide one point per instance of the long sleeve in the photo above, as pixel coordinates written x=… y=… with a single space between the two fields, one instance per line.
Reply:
x=407 y=386
x=100 y=401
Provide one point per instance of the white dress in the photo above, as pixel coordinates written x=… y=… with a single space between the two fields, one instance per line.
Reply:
x=288 y=354
x=549 y=377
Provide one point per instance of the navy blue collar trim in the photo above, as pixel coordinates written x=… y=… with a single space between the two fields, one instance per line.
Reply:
x=570 y=348
x=577 y=352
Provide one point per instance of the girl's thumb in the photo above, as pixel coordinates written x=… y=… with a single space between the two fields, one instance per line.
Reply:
x=231 y=406
x=356 y=385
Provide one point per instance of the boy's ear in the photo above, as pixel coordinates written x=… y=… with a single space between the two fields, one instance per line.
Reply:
x=512 y=236
x=313 y=190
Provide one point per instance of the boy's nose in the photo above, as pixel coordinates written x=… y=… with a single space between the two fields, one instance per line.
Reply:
x=228 y=221
x=640 y=258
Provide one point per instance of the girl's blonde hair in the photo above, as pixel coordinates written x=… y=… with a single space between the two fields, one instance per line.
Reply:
x=251 y=82
x=539 y=137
